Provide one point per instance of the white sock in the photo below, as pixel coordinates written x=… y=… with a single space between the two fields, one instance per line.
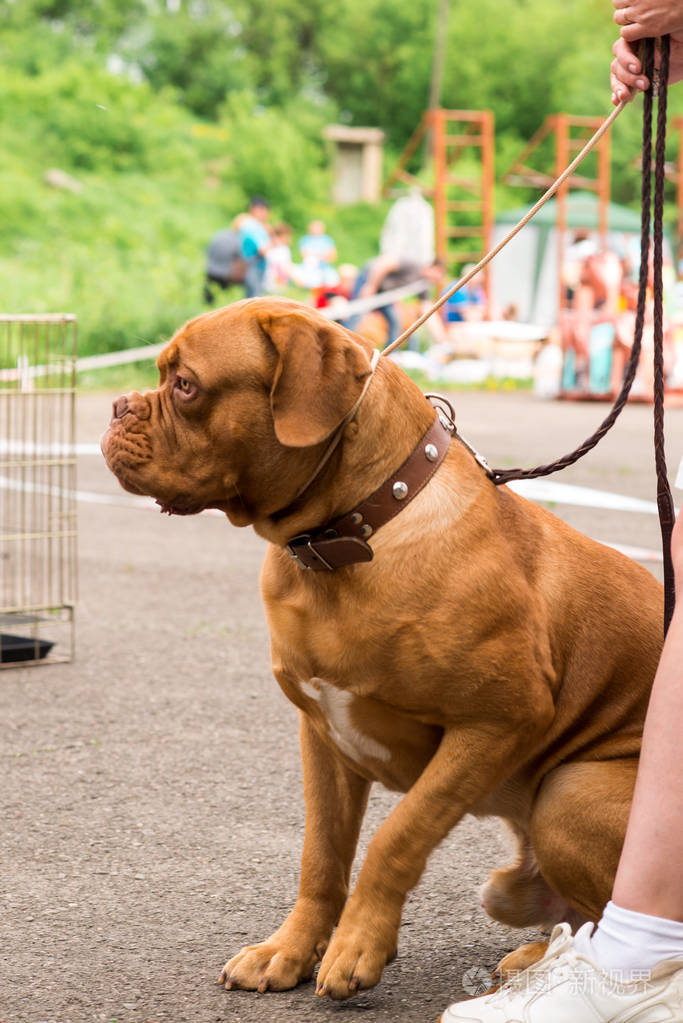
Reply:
x=629 y=943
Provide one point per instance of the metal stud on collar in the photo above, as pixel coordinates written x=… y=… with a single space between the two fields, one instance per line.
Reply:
x=431 y=452
x=400 y=490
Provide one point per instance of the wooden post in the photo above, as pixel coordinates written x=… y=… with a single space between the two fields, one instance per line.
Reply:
x=604 y=186
x=561 y=162
x=437 y=126
x=487 y=196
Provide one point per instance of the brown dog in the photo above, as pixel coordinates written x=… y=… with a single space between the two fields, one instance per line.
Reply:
x=487 y=660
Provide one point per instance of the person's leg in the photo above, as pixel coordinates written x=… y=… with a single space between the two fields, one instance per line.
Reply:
x=643 y=922
x=253 y=279
x=391 y=316
x=649 y=874
x=210 y=285
x=208 y=290
x=352 y=321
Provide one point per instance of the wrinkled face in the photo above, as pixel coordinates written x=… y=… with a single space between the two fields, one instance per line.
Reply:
x=182 y=442
x=245 y=394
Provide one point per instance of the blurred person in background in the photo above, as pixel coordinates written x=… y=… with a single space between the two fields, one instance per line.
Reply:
x=255 y=241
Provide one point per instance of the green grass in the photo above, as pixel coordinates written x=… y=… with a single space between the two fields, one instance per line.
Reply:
x=142 y=376
x=126 y=251
x=136 y=376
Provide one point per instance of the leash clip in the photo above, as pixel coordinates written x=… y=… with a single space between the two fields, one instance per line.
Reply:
x=446 y=414
x=444 y=410
x=478 y=457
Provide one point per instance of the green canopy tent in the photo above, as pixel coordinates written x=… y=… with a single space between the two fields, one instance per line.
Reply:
x=525 y=274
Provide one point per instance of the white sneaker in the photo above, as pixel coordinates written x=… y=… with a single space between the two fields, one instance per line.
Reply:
x=566 y=987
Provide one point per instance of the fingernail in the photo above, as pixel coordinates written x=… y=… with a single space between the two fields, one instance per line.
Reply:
x=633 y=69
x=641 y=83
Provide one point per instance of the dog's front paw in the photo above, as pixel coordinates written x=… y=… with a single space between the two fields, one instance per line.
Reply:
x=272 y=965
x=353 y=961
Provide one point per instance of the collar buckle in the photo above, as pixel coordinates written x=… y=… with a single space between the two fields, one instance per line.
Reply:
x=328 y=551
x=307 y=557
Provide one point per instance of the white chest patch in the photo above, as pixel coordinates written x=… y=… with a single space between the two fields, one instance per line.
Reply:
x=336 y=706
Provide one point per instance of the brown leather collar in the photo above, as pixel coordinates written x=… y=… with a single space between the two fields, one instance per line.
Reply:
x=344 y=540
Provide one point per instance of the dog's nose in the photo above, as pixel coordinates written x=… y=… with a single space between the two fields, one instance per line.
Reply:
x=120 y=407
x=137 y=404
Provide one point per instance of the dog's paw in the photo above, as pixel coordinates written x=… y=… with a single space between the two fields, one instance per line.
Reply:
x=350 y=965
x=269 y=966
x=522 y=957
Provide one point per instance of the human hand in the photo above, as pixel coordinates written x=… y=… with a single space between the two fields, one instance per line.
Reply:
x=626 y=77
x=645 y=19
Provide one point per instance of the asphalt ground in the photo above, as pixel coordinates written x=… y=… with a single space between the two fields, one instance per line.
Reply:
x=152 y=814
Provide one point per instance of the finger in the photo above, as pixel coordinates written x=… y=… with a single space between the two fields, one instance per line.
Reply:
x=627 y=77
x=624 y=57
x=625 y=85
x=627 y=57
x=620 y=93
x=621 y=16
x=632 y=33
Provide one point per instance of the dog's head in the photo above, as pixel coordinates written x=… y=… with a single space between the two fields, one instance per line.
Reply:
x=247 y=394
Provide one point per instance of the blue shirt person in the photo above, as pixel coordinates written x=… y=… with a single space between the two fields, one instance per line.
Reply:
x=254 y=243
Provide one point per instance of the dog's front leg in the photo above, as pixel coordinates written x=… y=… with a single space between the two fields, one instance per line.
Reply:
x=335 y=799
x=468 y=763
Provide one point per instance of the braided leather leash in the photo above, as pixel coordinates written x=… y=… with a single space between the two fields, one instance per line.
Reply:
x=664 y=498
x=665 y=504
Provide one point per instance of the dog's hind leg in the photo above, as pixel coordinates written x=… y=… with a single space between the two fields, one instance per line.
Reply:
x=566 y=864
x=520 y=896
x=577 y=829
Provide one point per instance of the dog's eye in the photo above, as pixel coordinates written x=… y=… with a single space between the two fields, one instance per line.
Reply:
x=184 y=386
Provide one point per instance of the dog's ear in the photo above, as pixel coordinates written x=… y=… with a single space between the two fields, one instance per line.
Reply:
x=320 y=373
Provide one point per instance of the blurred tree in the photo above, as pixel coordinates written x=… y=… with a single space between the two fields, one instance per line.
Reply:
x=202 y=57
x=275 y=152
x=99 y=22
x=282 y=39
x=375 y=62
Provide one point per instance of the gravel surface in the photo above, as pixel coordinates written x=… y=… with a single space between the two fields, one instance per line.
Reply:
x=151 y=797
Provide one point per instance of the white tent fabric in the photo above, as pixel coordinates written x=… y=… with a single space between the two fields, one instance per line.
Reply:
x=525 y=274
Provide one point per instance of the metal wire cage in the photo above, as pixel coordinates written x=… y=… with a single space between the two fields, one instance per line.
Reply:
x=38 y=572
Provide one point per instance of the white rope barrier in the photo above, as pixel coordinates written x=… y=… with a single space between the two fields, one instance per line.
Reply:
x=342 y=310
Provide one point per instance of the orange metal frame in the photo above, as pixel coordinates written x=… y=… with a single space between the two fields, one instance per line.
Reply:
x=567 y=144
x=452 y=134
